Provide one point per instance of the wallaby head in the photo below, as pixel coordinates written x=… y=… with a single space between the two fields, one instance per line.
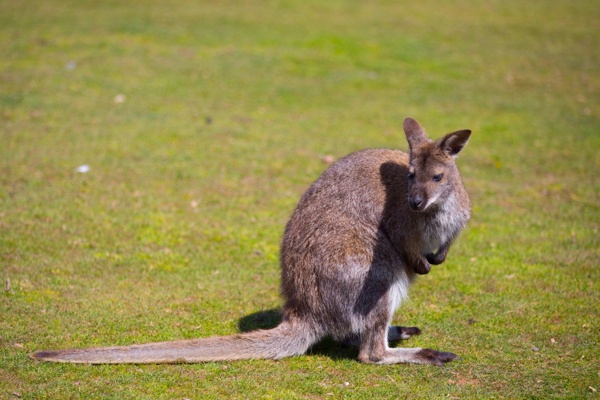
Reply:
x=432 y=174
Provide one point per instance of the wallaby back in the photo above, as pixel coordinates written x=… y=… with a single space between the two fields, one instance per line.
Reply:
x=350 y=251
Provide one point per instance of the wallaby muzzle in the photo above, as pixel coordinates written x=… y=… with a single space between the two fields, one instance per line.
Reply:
x=415 y=202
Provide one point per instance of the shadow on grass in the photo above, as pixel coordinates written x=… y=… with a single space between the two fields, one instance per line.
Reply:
x=327 y=347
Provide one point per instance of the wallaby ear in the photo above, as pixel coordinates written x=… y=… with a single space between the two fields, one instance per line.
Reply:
x=454 y=142
x=415 y=134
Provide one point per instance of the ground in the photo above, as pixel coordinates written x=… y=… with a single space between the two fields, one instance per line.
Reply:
x=201 y=124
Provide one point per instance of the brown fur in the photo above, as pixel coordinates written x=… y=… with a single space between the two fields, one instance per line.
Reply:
x=350 y=251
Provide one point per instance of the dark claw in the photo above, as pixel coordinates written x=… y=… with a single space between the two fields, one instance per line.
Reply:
x=422 y=268
x=439 y=358
x=434 y=259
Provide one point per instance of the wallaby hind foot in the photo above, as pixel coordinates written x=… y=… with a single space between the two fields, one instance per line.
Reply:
x=412 y=356
x=374 y=349
x=356 y=241
x=395 y=334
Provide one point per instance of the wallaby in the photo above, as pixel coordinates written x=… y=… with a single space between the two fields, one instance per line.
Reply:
x=350 y=251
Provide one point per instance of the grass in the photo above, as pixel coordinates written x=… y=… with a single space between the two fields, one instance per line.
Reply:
x=202 y=125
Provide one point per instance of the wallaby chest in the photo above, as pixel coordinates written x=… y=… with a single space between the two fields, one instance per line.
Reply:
x=443 y=224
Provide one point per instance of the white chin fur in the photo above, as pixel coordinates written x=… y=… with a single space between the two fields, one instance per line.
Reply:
x=430 y=202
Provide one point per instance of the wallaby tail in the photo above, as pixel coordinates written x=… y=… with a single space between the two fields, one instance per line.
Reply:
x=285 y=340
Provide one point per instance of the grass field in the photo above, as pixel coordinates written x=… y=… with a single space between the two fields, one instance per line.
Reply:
x=203 y=122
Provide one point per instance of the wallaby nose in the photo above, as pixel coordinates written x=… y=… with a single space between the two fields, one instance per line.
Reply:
x=415 y=201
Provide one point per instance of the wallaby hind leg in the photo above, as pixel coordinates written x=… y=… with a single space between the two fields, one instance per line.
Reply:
x=395 y=333
x=374 y=350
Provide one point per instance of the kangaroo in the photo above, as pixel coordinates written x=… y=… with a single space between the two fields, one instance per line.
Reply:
x=359 y=236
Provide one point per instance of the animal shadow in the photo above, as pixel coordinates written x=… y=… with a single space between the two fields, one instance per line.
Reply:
x=269 y=319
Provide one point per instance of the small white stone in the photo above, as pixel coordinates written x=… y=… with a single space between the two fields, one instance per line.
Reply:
x=83 y=169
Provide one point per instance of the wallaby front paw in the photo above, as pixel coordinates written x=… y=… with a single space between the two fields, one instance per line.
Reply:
x=435 y=259
x=422 y=267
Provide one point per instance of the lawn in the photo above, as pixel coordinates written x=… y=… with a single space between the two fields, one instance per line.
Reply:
x=202 y=123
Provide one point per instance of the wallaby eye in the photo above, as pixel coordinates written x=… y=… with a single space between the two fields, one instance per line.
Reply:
x=438 y=177
x=411 y=175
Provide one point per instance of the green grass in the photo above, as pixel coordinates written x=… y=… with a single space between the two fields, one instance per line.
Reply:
x=229 y=108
